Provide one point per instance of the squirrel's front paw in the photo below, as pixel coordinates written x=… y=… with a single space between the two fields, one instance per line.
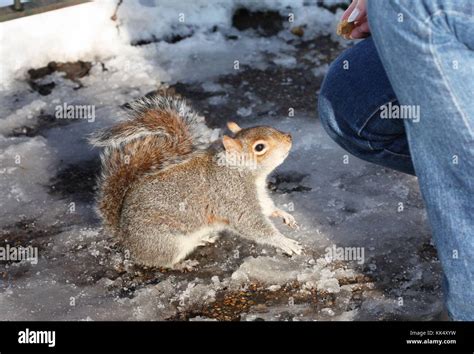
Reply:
x=289 y=246
x=288 y=219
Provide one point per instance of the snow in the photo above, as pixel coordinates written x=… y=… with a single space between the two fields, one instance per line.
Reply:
x=46 y=198
x=86 y=31
x=321 y=70
x=21 y=159
x=267 y=270
x=71 y=33
x=21 y=116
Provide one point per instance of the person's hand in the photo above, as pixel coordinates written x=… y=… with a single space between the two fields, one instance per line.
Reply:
x=357 y=11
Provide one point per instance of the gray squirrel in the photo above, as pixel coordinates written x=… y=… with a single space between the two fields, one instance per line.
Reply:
x=163 y=193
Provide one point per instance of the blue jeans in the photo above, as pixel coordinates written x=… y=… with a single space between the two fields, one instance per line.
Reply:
x=419 y=60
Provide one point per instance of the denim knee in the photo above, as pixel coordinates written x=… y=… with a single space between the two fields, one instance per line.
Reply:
x=337 y=125
x=352 y=93
x=330 y=124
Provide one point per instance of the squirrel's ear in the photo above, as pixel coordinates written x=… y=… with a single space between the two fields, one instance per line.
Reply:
x=231 y=145
x=233 y=127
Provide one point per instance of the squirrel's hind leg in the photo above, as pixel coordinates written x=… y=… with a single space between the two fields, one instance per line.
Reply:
x=210 y=238
x=157 y=246
x=188 y=265
x=188 y=243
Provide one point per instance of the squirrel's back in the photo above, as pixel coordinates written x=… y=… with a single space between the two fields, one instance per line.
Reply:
x=161 y=131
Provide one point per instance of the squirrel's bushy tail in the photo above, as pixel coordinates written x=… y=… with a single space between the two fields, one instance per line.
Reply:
x=161 y=129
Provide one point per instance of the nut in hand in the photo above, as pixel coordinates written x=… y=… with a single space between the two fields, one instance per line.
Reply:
x=345 y=28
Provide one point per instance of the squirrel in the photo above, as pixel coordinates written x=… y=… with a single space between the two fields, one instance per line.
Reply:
x=163 y=193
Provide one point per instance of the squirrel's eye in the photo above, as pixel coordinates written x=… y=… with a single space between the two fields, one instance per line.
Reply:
x=259 y=147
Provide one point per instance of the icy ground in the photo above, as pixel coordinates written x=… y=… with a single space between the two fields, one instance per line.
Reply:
x=47 y=176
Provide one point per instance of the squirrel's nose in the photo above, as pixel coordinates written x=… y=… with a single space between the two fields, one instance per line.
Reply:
x=288 y=136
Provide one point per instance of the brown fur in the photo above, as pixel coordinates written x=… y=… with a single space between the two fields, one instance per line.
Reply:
x=164 y=194
x=126 y=163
